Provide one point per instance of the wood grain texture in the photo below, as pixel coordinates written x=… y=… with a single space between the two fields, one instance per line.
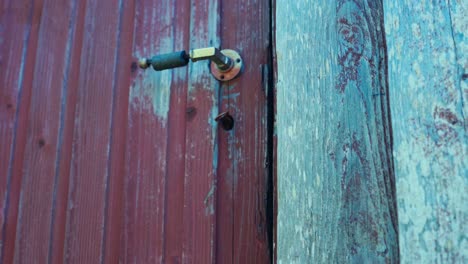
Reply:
x=428 y=63
x=115 y=203
x=43 y=140
x=243 y=152
x=24 y=19
x=147 y=137
x=176 y=151
x=67 y=109
x=201 y=156
x=15 y=30
x=89 y=171
x=336 y=200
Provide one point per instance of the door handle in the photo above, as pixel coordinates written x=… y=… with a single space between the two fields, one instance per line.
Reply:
x=225 y=64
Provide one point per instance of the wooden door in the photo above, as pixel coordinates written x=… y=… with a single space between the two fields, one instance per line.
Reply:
x=103 y=162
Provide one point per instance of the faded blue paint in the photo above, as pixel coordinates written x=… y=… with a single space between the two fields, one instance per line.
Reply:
x=230 y=96
x=214 y=127
x=152 y=91
x=427 y=51
x=335 y=199
x=204 y=34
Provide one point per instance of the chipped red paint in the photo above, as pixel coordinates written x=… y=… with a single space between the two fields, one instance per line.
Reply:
x=245 y=179
x=103 y=162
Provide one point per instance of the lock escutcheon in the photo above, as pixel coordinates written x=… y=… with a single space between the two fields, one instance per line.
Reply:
x=225 y=120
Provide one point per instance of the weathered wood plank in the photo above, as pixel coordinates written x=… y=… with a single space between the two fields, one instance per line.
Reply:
x=15 y=27
x=242 y=172
x=21 y=27
x=43 y=140
x=123 y=75
x=148 y=137
x=335 y=180
x=176 y=149
x=201 y=140
x=68 y=107
x=427 y=51
x=89 y=172
x=15 y=30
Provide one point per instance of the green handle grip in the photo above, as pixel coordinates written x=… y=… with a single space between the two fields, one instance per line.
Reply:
x=169 y=60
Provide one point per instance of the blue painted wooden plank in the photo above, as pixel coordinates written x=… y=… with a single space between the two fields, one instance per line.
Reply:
x=335 y=180
x=427 y=50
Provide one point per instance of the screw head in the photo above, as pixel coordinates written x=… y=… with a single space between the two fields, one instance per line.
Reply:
x=144 y=63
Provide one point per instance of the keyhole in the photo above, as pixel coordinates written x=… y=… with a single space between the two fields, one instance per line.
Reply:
x=225 y=120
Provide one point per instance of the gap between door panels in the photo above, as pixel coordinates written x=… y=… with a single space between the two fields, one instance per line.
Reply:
x=272 y=138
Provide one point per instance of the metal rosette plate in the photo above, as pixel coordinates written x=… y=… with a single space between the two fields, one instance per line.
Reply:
x=231 y=73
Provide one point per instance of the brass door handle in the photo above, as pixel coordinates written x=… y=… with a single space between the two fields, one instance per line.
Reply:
x=225 y=64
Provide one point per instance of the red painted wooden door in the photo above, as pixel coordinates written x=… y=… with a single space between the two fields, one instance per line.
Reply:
x=103 y=162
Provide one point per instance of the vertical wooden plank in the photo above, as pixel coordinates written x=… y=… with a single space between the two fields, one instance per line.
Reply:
x=335 y=176
x=242 y=172
x=427 y=50
x=200 y=185
x=123 y=75
x=42 y=135
x=15 y=28
x=14 y=33
x=68 y=108
x=23 y=21
x=176 y=149
x=148 y=136
x=91 y=136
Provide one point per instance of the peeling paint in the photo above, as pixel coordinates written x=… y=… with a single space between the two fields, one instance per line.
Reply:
x=209 y=200
x=204 y=34
x=126 y=156
x=152 y=91
x=334 y=163
x=429 y=124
